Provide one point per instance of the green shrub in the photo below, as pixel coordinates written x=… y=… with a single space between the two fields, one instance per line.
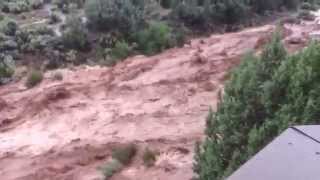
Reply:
x=18 y=7
x=54 y=18
x=114 y=15
x=166 y=3
x=264 y=96
x=121 y=156
x=43 y=30
x=199 y=14
x=2 y=16
x=33 y=39
x=79 y=3
x=121 y=50
x=5 y=72
x=111 y=168
x=34 y=78
x=6 y=68
x=8 y=26
x=111 y=56
x=154 y=39
x=228 y=12
x=291 y=4
x=36 y=4
x=179 y=37
x=66 y=3
x=65 y=9
x=149 y=157
x=190 y=14
x=61 y=3
x=124 y=153
x=4 y=7
x=261 y=6
x=75 y=36
x=203 y=14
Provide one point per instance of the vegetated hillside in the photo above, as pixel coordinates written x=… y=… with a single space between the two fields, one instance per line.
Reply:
x=46 y=34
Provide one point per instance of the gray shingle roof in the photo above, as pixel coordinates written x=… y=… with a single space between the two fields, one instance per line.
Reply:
x=294 y=155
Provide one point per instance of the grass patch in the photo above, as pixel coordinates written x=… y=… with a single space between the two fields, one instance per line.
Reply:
x=125 y=153
x=149 y=157
x=111 y=168
x=34 y=78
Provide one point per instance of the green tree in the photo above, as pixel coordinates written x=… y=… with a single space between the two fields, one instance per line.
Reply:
x=154 y=39
x=75 y=36
x=264 y=96
x=115 y=15
x=121 y=50
x=202 y=13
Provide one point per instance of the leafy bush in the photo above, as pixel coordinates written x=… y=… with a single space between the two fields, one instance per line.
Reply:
x=6 y=68
x=61 y=3
x=121 y=50
x=111 y=168
x=149 y=157
x=66 y=3
x=34 y=78
x=2 y=16
x=36 y=4
x=262 y=6
x=166 y=3
x=264 y=96
x=79 y=3
x=43 y=30
x=228 y=12
x=154 y=39
x=179 y=37
x=121 y=156
x=111 y=56
x=291 y=4
x=37 y=39
x=8 y=26
x=114 y=15
x=125 y=153
x=200 y=13
x=19 y=6
x=190 y=14
x=54 y=18
x=75 y=35
x=203 y=13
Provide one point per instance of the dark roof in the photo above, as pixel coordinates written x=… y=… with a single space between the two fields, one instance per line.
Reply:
x=294 y=155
